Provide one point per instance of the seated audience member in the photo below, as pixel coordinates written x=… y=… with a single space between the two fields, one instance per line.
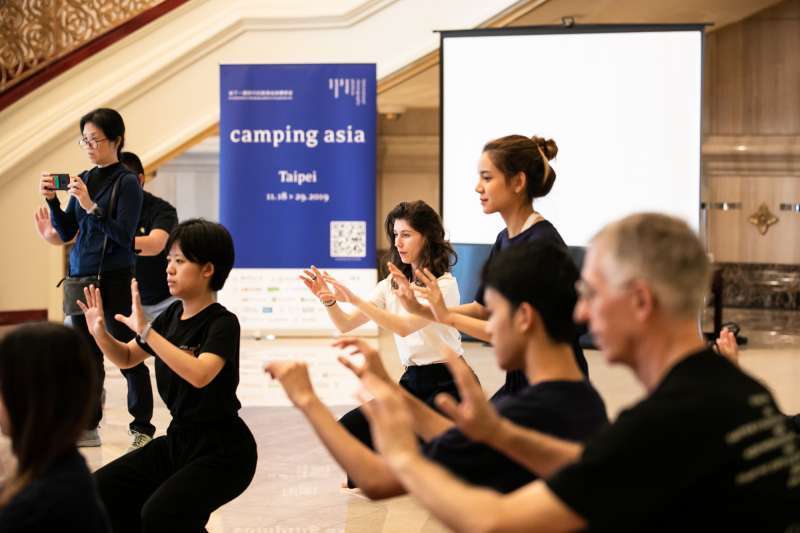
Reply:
x=208 y=456
x=706 y=450
x=531 y=328
x=47 y=378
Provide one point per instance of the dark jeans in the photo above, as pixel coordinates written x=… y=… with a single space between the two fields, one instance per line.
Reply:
x=424 y=382
x=176 y=481
x=116 y=292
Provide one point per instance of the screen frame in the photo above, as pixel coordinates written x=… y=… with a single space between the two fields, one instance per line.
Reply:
x=576 y=29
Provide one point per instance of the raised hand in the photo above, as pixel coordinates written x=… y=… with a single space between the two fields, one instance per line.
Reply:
x=313 y=279
x=372 y=359
x=475 y=416
x=390 y=421
x=727 y=345
x=405 y=294
x=137 y=320
x=433 y=294
x=293 y=377
x=93 y=310
x=340 y=291
x=41 y=217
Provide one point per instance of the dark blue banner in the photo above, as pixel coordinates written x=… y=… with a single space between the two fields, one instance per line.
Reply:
x=297 y=164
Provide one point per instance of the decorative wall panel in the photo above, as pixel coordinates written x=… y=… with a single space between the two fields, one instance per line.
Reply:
x=35 y=33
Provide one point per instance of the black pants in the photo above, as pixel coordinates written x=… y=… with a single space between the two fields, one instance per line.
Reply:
x=176 y=481
x=116 y=292
x=424 y=382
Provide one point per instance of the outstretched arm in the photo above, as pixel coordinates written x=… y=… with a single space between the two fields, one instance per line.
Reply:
x=460 y=506
x=427 y=422
x=402 y=325
x=314 y=280
x=540 y=453
x=475 y=327
x=198 y=371
x=363 y=465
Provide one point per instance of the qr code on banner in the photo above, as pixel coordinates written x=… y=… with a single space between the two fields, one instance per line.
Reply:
x=348 y=238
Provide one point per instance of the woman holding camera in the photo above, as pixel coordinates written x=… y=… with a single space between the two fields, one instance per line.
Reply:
x=101 y=215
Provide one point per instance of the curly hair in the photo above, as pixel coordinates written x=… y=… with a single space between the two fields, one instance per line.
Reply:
x=437 y=254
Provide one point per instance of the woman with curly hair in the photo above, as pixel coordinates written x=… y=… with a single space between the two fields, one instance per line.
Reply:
x=418 y=244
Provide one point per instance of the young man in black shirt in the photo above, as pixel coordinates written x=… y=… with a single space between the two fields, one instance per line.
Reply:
x=208 y=456
x=706 y=450
x=156 y=220
x=530 y=327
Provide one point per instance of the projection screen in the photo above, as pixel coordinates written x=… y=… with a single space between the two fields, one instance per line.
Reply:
x=623 y=103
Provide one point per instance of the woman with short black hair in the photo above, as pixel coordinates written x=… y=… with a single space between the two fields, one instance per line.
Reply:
x=208 y=456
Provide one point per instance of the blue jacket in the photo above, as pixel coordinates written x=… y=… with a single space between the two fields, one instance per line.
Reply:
x=84 y=259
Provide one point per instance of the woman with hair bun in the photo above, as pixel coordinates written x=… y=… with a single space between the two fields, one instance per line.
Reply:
x=512 y=172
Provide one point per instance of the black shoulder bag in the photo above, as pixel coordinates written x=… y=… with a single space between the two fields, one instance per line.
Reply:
x=73 y=287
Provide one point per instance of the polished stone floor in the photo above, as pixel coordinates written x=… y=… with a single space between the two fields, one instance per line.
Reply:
x=297 y=486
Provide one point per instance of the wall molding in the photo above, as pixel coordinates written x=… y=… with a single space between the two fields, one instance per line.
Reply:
x=10 y=318
x=751 y=156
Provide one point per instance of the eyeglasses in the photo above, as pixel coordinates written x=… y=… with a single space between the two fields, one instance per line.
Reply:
x=83 y=142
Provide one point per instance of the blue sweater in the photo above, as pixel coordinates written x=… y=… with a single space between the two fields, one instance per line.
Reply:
x=84 y=259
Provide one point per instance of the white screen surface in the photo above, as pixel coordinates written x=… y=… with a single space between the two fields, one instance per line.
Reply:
x=624 y=109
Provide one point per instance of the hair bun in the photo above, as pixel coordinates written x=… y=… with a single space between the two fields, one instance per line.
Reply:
x=548 y=146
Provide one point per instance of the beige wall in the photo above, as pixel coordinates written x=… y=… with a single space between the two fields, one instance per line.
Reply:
x=408 y=163
x=752 y=134
x=752 y=74
x=31 y=268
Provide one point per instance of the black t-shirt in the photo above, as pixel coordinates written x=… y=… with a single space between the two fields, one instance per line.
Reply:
x=708 y=450
x=63 y=498
x=212 y=330
x=151 y=270
x=543 y=230
x=571 y=410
